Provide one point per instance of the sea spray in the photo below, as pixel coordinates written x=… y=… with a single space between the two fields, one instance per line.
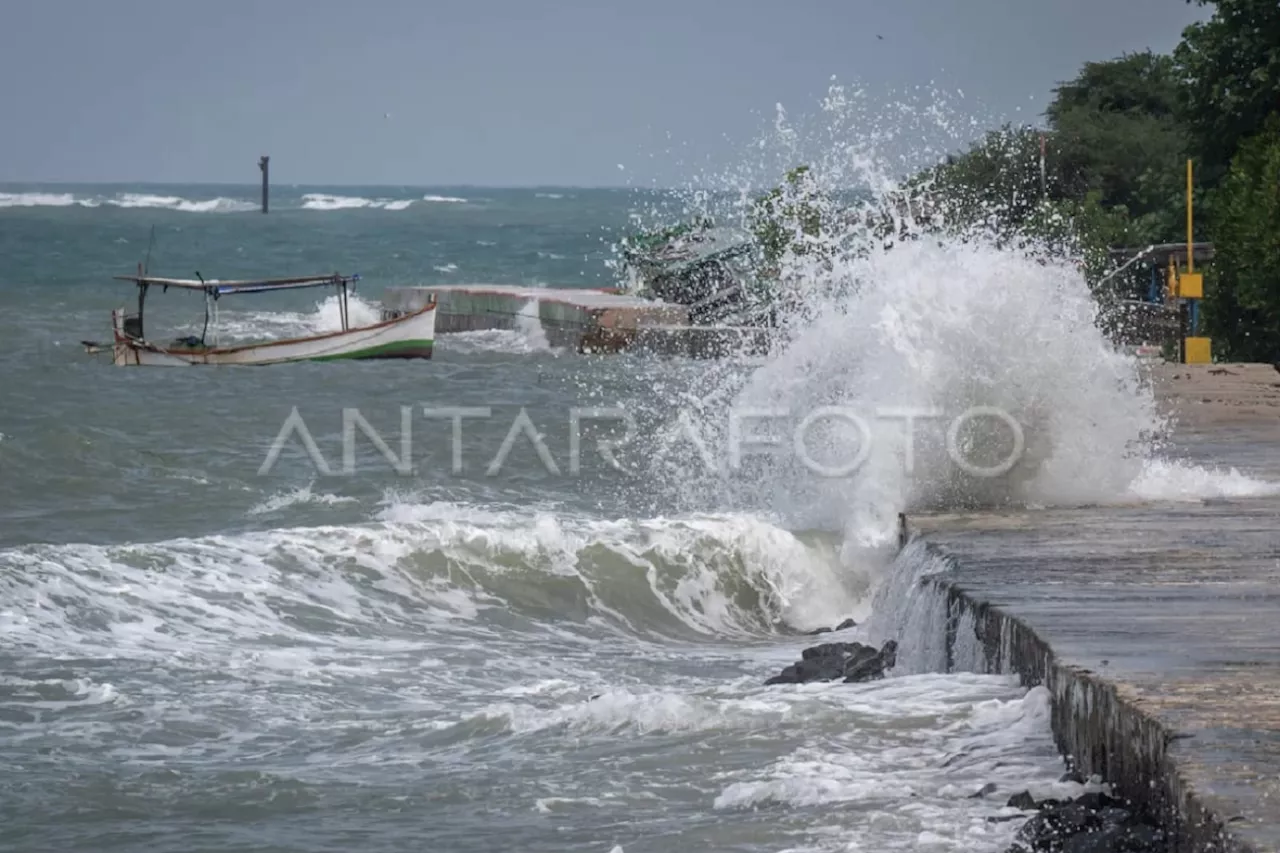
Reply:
x=886 y=312
x=529 y=324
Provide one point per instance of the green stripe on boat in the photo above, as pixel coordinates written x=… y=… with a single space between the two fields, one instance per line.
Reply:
x=390 y=350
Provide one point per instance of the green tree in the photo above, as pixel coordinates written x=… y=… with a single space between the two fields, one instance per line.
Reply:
x=1114 y=152
x=1242 y=298
x=1229 y=68
x=787 y=214
x=1117 y=134
x=995 y=185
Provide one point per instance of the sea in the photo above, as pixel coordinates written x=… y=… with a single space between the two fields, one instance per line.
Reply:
x=417 y=606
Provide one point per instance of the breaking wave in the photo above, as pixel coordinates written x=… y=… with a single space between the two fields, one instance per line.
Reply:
x=219 y=204
x=239 y=325
x=128 y=200
x=420 y=564
x=321 y=201
x=995 y=353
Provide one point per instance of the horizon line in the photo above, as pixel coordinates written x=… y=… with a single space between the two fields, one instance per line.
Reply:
x=255 y=186
x=346 y=185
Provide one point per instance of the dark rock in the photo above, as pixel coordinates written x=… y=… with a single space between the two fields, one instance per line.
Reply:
x=1050 y=829
x=989 y=788
x=1023 y=801
x=832 y=661
x=1072 y=776
x=871 y=667
x=1092 y=823
x=843 y=626
x=1117 y=839
x=1096 y=801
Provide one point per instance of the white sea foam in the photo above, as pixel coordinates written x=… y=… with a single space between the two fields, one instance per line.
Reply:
x=239 y=325
x=37 y=199
x=444 y=199
x=529 y=324
x=296 y=497
x=212 y=205
x=323 y=201
x=1175 y=480
x=220 y=204
x=713 y=575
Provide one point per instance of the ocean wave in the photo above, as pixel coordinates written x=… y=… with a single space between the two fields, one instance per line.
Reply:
x=258 y=325
x=297 y=497
x=420 y=564
x=168 y=202
x=324 y=201
x=220 y=204
x=38 y=199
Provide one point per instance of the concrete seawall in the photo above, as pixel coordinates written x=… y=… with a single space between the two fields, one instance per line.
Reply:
x=582 y=320
x=1155 y=627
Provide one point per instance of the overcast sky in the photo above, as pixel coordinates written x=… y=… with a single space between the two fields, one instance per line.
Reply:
x=501 y=92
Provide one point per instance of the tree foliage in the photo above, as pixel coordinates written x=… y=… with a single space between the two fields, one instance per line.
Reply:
x=1242 y=302
x=1117 y=134
x=1229 y=70
x=786 y=215
x=1112 y=152
x=1116 y=143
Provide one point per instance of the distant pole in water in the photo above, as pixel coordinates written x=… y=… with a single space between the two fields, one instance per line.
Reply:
x=262 y=164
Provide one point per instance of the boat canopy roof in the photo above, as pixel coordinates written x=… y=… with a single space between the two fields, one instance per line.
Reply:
x=218 y=287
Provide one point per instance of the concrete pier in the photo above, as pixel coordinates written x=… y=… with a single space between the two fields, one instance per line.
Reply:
x=1155 y=627
x=586 y=321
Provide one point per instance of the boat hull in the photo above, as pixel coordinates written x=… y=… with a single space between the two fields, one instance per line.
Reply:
x=406 y=337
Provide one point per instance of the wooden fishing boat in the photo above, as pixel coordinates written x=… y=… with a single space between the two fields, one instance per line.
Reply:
x=404 y=335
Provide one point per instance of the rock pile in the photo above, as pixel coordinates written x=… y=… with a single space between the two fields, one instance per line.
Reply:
x=849 y=662
x=1091 y=823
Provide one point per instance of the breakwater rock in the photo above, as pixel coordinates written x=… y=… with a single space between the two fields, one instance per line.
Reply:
x=1091 y=823
x=848 y=662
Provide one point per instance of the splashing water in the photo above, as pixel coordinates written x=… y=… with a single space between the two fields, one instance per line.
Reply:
x=1016 y=395
x=529 y=324
x=239 y=325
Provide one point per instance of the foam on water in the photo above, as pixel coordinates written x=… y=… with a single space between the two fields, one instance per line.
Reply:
x=445 y=635
x=529 y=324
x=1169 y=480
x=127 y=200
x=247 y=325
x=43 y=200
x=323 y=201
x=220 y=204
x=213 y=205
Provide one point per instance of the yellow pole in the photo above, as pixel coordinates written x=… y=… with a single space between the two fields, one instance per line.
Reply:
x=1190 y=262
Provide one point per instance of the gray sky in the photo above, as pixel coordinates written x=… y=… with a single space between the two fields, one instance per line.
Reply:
x=500 y=92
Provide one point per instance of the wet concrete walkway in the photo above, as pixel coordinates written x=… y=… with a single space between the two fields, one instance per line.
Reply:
x=1170 y=610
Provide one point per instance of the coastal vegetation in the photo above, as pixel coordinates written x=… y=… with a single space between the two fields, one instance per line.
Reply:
x=1112 y=174
x=1105 y=172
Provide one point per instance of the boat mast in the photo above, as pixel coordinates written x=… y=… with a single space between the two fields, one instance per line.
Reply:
x=142 y=296
x=208 y=297
x=343 y=302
